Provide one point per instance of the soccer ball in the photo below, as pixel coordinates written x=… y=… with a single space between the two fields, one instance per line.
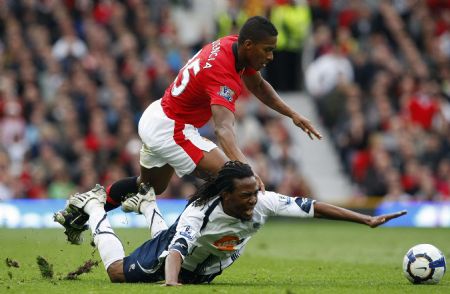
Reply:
x=424 y=264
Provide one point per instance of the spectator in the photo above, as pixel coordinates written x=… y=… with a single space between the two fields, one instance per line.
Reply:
x=293 y=20
x=399 y=96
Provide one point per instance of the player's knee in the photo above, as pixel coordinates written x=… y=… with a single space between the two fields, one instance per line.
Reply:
x=115 y=272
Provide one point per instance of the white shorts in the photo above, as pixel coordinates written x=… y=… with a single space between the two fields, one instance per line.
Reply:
x=166 y=141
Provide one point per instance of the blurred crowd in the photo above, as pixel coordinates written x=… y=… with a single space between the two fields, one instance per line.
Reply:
x=75 y=76
x=380 y=74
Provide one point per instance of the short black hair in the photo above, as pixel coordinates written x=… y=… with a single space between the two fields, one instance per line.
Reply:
x=223 y=182
x=256 y=29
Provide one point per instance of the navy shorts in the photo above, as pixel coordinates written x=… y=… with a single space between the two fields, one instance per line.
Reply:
x=143 y=265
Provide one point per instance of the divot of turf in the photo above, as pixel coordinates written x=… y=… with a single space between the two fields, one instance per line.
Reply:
x=85 y=268
x=11 y=262
x=45 y=267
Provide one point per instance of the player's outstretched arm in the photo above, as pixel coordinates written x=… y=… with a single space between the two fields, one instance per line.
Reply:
x=172 y=268
x=267 y=95
x=328 y=211
x=224 y=129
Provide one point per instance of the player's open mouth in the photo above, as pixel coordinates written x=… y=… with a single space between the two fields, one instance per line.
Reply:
x=247 y=215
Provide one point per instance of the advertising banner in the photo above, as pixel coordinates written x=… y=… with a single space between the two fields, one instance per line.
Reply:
x=420 y=214
x=28 y=213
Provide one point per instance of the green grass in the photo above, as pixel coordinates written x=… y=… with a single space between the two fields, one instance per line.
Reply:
x=285 y=257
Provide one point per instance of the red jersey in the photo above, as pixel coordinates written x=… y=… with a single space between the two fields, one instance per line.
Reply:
x=208 y=78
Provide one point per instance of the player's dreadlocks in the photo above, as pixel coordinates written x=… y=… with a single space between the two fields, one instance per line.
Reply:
x=223 y=182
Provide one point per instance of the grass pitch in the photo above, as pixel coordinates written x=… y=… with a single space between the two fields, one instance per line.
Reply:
x=284 y=257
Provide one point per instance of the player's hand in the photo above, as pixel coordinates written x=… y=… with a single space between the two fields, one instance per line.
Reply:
x=261 y=185
x=304 y=123
x=375 y=221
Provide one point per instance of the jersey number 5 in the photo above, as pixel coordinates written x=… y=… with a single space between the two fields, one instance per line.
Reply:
x=193 y=63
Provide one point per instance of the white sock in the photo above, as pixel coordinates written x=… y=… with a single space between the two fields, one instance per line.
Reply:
x=108 y=244
x=153 y=217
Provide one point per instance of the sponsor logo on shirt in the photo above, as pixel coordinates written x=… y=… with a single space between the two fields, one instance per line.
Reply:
x=226 y=93
x=227 y=243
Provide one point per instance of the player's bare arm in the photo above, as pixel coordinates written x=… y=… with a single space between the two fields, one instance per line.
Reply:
x=328 y=211
x=267 y=95
x=224 y=129
x=172 y=268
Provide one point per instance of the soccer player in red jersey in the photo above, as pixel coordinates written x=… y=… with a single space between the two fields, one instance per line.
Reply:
x=206 y=87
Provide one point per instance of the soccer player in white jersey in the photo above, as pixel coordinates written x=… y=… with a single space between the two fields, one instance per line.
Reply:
x=209 y=235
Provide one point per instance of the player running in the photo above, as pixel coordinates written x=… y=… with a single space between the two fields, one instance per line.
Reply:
x=206 y=87
x=209 y=235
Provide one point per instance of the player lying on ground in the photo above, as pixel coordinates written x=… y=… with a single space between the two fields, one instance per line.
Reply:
x=209 y=235
x=206 y=88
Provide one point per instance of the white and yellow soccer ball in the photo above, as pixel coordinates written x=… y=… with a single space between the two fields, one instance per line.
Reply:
x=424 y=264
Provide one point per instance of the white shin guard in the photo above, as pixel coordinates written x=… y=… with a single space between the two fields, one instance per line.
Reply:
x=109 y=246
x=153 y=217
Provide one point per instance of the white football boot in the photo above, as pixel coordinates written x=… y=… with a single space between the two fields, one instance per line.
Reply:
x=79 y=200
x=73 y=218
x=133 y=204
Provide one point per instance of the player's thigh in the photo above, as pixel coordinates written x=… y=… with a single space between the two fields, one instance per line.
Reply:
x=190 y=151
x=212 y=161
x=157 y=177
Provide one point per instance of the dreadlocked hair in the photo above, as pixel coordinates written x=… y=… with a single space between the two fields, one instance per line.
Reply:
x=223 y=182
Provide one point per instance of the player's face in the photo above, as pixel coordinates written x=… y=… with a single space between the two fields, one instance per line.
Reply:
x=261 y=53
x=241 y=202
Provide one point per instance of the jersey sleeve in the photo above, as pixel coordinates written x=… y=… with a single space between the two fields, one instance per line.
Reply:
x=277 y=204
x=188 y=231
x=222 y=93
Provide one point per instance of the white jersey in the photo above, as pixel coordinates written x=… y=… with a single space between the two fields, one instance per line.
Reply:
x=209 y=240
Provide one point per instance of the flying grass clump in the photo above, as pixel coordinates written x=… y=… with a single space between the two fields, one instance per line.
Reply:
x=85 y=268
x=45 y=267
x=12 y=263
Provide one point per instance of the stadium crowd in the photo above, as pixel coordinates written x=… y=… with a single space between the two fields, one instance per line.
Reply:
x=75 y=77
x=381 y=79
x=77 y=74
